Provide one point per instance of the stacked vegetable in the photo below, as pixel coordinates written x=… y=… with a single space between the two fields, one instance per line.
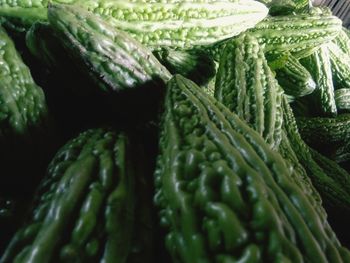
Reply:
x=202 y=117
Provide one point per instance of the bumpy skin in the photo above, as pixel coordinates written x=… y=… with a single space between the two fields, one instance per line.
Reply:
x=325 y=130
x=85 y=207
x=295 y=79
x=340 y=62
x=296 y=33
x=196 y=65
x=23 y=108
x=225 y=196
x=331 y=188
x=319 y=66
x=22 y=14
x=179 y=23
x=246 y=86
x=342 y=99
x=174 y=23
x=334 y=133
x=343 y=41
x=113 y=59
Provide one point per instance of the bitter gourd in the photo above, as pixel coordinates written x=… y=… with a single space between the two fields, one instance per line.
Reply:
x=343 y=41
x=225 y=196
x=331 y=189
x=23 y=108
x=295 y=79
x=342 y=99
x=296 y=33
x=113 y=59
x=246 y=85
x=333 y=133
x=319 y=66
x=85 y=207
x=196 y=65
x=325 y=130
x=181 y=24
x=340 y=62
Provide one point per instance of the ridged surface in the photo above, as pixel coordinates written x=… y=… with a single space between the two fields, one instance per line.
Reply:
x=180 y=23
x=296 y=32
x=319 y=66
x=340 y=62
x=327 y=130
x=85 y=207
x=343 y=41
x=225 y=196
x=246 y=86
x=109 y=56
x=342 y=99
x=295 y=79
x=22 y=103
x=331 y=189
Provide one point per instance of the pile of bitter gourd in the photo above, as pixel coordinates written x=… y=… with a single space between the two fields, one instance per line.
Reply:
x=188 y=131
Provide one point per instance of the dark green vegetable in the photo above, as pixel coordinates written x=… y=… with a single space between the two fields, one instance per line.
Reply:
x=294 y=78
x=319 y=66
x=342 y=99
x=296 y=33
x=331 y=189
x=114 y=60
x=196 y=65
x=246 y=85
x=326 y=130
x=43 y=43
x=225 y=196
x=85 y=207
x=23 y=109
x=329 y=136
x=340 y=62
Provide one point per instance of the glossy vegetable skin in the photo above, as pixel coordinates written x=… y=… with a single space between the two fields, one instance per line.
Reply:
x=225 y=196
x=246 y=85
x=86 y=206
x=110 y=57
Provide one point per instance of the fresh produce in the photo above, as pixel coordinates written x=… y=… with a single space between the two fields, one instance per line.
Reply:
x=182 y=24
x=340 y=66
x=23 y=108
x=227 y=140
x=296 y=33
x=110 y=57
x=294 y=78
x=332 y=190
x=246 y=85
x=320 y=68
x=85 y=208
x=225 y=196
x=196 y=65
x=342 y=99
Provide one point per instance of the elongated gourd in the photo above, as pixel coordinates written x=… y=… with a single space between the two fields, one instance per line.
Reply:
x=23 y=108
x=85 y=207
x=319 y=66
x=295 y=79
x=225 y=196
x=196 y=65
x=246 y=85
x=181 y=24
x=340 y=62
x=296 y=33
x=331 y=189
x=325 y=129
x=343 y=41
x=342 y=99
x=113 y=59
